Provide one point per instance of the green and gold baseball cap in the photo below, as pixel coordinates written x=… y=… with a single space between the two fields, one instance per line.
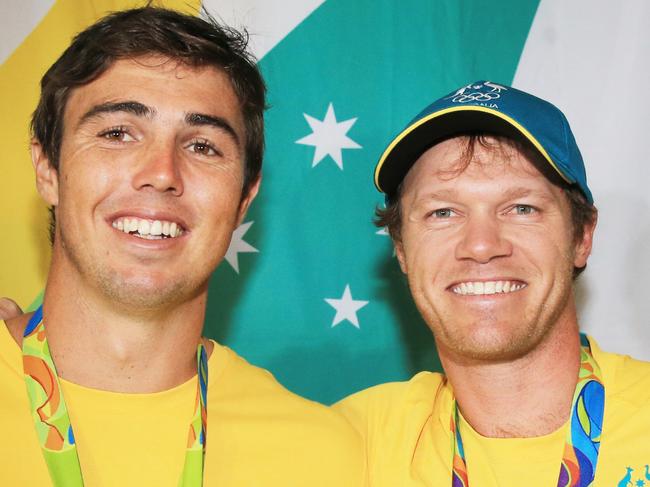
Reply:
x=491 y=108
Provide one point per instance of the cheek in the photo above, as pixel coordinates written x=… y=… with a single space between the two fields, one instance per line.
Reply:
x=547 y=255
x=87 y=185
x=226 y=175
x=218 y=199
x=424 y=260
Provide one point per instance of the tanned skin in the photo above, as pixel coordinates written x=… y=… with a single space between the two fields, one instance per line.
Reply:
x=151 y=139
x=512 y=357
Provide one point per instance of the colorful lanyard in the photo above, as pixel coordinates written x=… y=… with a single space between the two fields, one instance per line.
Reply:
x=580 y=456
x=52 y=422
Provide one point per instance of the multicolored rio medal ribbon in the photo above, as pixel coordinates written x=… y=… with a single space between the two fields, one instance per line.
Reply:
x=52 y=422
x=580 y=457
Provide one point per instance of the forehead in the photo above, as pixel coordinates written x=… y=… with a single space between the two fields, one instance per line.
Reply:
x=490 y=163
x=164 y=84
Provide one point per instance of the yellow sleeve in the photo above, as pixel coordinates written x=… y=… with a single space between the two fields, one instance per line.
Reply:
x=378 y=410
x=391 y=418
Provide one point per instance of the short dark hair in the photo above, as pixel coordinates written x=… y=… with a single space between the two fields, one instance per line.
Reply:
x=582 y=212
x=193 y=40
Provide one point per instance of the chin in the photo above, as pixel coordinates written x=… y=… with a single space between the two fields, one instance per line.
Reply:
x=147 y=292
x=493 y=342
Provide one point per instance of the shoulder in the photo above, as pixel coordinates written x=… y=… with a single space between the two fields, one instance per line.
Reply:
x=421 y=386
x=394 y=419
x=289 y=436
x=626 y=379
x=626 y=423
x=251 y=393
x=393 y=403
x=235 y=377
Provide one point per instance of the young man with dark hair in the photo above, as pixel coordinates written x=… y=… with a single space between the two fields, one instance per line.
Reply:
x=147 y=145
x=492 y=219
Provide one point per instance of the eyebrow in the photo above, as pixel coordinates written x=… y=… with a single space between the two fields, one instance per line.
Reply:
x=523 y=192
x=134 y=107
x=141 y=110
x=201 y=119
x=443 y=194
x=509 y=194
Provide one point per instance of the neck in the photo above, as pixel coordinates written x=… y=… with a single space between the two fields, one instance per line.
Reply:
x=525 y=397
x=99 y=343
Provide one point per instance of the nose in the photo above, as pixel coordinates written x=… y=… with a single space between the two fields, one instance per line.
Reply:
x=159 y=169
x=482 y=240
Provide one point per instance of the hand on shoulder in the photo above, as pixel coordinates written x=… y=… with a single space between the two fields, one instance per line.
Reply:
x=14 y=317
x=9 y=309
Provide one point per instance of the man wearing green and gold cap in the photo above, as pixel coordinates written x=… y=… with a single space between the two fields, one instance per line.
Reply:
x=492 y=219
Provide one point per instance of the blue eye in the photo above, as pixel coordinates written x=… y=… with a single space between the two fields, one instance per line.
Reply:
x=443 y=213
x=524 y=209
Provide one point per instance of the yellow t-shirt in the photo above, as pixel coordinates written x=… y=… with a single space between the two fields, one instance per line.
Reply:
x=406 y=429
x=259 y=434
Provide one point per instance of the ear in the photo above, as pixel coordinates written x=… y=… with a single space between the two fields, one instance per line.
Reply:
x=401 y=258
x=47 y=177
x=248 y=199
x=583 y=246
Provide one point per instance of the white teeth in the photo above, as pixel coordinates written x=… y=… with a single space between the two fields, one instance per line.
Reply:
x=479 y=288
x=148 y=229
x=489 y=287
x=143 y=227
x=156 y=228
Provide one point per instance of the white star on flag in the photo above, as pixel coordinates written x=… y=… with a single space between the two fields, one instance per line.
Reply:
x=238 y=245
x=329 y=137
x=346 y=308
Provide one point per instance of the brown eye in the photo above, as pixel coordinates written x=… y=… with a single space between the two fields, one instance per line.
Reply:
x=203 y=148
x=116 y=134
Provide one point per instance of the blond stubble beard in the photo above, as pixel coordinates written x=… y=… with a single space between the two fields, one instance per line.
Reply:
x=500 y=345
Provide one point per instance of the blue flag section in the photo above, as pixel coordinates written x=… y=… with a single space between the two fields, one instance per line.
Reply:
x=310 y=289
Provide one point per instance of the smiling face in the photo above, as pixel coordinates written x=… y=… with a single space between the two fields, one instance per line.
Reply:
x=488 y=250
x=149 y=186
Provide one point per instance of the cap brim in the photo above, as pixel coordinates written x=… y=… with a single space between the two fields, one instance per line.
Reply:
x=431 y=129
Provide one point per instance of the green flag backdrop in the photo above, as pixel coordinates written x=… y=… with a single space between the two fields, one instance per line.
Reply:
x=321 y=301
x=309 y=288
